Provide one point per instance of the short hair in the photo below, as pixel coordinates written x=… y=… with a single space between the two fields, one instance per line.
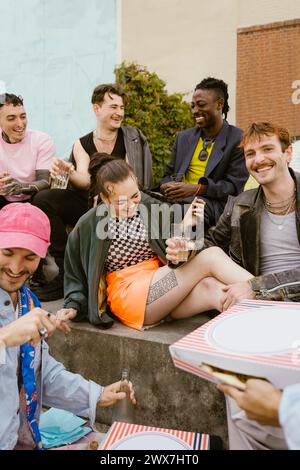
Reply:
x=9 y=98
x=110 y=88
x=219 y=87
x=257 y=130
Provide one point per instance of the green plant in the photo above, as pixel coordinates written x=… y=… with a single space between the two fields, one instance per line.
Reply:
x=160 y=116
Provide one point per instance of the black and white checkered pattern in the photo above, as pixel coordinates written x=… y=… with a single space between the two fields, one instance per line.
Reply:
x=129 y=245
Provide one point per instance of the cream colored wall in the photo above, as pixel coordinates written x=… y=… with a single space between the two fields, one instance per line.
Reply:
x=253 y=12
x=187 y=40
x=182 y=40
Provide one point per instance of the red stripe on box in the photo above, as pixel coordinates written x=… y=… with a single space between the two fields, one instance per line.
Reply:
x=205 y=442
x=196 y=341
x=111 y=436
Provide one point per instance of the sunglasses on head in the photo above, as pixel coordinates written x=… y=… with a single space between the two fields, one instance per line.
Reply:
x=204 y=153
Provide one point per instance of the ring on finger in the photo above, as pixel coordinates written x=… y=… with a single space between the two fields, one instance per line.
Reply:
x=43 y=332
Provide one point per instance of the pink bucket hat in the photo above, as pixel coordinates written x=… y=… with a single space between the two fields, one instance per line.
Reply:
x=24 y=226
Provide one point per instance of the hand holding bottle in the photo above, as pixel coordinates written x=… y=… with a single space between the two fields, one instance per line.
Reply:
x=115 y=392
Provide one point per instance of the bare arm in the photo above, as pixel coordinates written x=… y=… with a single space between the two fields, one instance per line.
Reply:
x=80 y=178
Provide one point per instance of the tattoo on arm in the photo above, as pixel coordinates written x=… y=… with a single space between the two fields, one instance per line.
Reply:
x=162 y=287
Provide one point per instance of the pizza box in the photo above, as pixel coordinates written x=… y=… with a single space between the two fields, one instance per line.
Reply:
x=125 y=436
x=256 y=338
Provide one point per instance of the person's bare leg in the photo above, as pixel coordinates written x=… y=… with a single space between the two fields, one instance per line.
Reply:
x=169 y=287
x=206 y=295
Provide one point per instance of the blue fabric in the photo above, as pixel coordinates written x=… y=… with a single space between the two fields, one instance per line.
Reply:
x=27 y=301
x=60 y=427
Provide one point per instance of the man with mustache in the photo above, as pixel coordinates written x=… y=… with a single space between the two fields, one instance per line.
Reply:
x=29 y=376
x=25 y=155
x=260 y=231
x=207 y=160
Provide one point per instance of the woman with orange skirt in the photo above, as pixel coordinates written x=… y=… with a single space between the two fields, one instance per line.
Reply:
x=131 y=249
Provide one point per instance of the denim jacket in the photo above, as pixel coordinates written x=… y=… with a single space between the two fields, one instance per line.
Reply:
x=56 y=387
x=238 y=234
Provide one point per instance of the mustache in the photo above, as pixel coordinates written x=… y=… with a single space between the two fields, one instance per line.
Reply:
x=257 y=167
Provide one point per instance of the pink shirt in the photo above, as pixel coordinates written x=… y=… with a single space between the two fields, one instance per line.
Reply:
x=21 y=160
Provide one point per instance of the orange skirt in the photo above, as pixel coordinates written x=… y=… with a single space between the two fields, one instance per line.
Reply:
x=127 y=292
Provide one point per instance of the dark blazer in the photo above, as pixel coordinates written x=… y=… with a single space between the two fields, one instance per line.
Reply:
x=225 y=173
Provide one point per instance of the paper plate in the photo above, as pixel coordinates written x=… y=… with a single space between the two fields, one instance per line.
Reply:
x=265 y=330
x=151 y=440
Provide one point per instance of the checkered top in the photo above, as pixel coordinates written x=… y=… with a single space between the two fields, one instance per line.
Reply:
x=129 y=244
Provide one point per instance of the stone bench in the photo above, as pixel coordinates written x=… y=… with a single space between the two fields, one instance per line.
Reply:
x=167 y=396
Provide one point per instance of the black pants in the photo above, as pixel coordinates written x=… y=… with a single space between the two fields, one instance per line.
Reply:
x=4 y=202
x=63 y=207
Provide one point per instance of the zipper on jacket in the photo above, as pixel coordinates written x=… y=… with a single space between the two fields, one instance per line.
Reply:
x=265 y=292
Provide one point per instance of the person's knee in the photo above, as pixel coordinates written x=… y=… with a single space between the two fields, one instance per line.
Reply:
x=214 y=252
x=213 y=289
x=210 y=255
x=41 y=198
x=209 y=284
x=50 y=201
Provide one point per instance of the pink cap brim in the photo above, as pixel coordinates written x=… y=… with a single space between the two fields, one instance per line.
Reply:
x=24 y=240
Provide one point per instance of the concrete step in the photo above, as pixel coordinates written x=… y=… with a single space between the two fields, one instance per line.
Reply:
x=167 y=396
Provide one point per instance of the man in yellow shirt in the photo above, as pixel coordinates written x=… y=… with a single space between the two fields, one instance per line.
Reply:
x=207 y=160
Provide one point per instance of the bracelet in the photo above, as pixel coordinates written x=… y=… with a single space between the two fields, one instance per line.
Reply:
x=198 y=189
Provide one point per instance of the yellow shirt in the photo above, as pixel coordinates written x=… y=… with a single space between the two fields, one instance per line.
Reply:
x=196 y=168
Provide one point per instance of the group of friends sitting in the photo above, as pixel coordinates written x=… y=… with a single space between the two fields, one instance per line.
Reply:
x=120 y=259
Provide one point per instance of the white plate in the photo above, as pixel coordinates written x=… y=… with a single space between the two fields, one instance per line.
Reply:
x=151 y=440
x=265 y=330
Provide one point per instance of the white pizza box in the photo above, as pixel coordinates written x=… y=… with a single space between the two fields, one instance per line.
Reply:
x=256 y=338
x=127 y=436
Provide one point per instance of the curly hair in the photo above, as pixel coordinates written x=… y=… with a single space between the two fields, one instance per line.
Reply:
x=9 y=98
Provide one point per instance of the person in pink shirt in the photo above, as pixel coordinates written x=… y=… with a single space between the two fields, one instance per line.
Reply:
x=25 y=155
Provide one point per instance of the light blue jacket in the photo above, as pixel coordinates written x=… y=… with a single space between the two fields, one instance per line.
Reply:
x=289 y=416
x=56 y=387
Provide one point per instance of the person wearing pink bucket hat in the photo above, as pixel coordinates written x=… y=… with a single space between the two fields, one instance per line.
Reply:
x=24 y=226
x=24 y=239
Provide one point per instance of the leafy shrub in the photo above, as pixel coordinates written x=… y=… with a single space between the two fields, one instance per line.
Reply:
x=160 y=116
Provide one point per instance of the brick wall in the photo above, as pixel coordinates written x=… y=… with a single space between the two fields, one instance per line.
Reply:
x=268 y=67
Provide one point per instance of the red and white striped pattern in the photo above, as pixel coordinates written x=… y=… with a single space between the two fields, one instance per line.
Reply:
x=119 y=431
x=197 y=340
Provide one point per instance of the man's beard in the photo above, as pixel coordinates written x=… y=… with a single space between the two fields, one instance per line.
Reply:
x=14 y=288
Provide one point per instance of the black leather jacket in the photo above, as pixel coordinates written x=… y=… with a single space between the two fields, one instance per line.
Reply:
x=238 y=234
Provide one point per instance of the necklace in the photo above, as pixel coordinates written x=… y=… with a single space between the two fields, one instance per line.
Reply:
x=281 y=206
x=284 y=216
x=104 y=140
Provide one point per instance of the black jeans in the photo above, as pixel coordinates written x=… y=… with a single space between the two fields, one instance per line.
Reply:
x=63 y=207
x=4 y=202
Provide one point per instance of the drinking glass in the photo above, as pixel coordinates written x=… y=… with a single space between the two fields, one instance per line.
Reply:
x=179 y=232
x=60 y=181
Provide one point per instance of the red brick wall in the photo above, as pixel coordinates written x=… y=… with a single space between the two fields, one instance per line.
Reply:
x=268 y=64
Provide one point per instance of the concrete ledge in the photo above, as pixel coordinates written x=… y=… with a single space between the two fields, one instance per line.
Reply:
x=167 y=396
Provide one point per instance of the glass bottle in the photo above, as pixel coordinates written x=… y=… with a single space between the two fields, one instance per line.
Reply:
x=123 y=409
